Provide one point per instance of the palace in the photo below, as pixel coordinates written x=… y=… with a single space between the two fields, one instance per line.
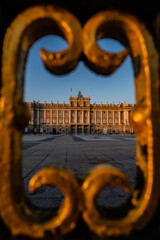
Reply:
x=79 y=117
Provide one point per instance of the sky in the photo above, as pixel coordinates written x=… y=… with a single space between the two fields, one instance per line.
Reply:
x=41 y=85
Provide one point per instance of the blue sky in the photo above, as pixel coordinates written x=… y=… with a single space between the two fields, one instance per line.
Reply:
x=41 y=85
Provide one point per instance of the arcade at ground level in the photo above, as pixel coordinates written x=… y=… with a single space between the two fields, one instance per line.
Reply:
x=78 y=129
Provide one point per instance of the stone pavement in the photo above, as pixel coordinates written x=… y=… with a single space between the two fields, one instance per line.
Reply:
x=79 y=153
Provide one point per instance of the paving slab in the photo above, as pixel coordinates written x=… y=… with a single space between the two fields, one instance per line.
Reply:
x=79 y=153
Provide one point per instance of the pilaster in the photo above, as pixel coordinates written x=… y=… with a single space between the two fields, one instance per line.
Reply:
x=113 y=117
x=45 y=116
x=101 y=117
x=37 y=115
x=63 y=118
x=51 y=119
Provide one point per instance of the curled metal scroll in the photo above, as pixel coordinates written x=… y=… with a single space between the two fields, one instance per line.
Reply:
x=145 y=119
x=98 y=60
x=65 y=180
x=30 y=25
x=101 y=176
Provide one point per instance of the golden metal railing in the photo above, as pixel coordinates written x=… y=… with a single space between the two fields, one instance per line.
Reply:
x=17 y=214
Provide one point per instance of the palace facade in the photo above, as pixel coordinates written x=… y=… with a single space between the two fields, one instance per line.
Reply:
x=79 y=117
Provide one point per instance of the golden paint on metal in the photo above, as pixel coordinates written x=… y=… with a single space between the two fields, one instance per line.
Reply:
x=66 y=60
x=96 y=59
x=29 y=26
x=138 y=121
x=65 y=180
x=145 y=119
x=101 y=176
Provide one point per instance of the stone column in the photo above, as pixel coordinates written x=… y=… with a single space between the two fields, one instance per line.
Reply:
x=32 y=116
x=51 y=120
x=38 y=116
x=82 y=116
x=76 y=116
x=127 y=117
x=57 y=116
x=101 y=117
x=95 y=117
x=63 y=118
x=123 y=117
x=45 y=116
x=89 y=117
x=76 y=120
x=125 y=121
x=69 y=116
x=113 y=117
x=107 y=118
x=119 y=113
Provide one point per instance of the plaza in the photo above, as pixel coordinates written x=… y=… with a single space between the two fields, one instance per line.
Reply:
x=79 y=153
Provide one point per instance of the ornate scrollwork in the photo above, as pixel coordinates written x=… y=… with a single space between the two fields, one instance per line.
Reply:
x=138 y=41
x=18 y=215
x=65 y=180
x=101 y=176
x=29 y=26
x=96 y=59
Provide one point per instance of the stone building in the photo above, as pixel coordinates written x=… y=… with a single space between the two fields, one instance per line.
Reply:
x=79 y=117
